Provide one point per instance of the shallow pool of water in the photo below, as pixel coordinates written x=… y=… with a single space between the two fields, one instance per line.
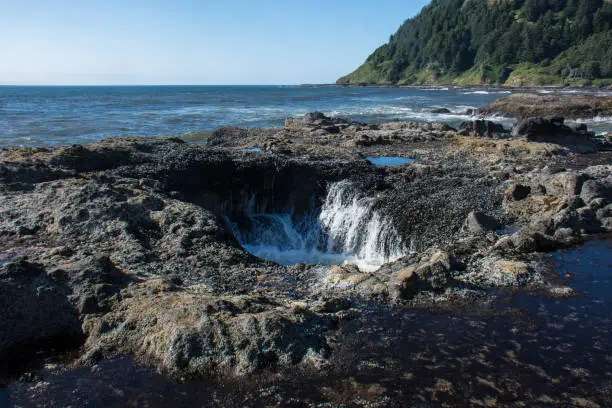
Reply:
x=389 y=161
x=547 y=353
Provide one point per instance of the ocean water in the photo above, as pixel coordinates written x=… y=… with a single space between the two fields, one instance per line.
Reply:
x=40 y=116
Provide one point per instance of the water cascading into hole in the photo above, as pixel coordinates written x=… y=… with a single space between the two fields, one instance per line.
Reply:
x=346 y=229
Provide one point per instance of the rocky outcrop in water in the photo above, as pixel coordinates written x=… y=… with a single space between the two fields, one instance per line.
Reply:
x=134 y=245
x=482 y=128
x=550 y=106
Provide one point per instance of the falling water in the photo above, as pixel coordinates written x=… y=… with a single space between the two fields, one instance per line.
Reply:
x=346 y=229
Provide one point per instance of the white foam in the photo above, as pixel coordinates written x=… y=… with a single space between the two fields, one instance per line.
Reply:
x=595 y=119
x=348 y=230
x=487 y=92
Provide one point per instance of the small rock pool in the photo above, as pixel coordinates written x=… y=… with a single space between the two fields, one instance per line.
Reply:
x=389 y=161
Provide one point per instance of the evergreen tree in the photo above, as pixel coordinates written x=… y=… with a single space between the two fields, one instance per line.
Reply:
x=451 y=37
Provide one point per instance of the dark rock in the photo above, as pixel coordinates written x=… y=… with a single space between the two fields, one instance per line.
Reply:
x=482 y=128
x=605 y=212
x=477 y=223
x=35 y=313
x=435 y=271
x=517 y=192
x=315 y=117
x=587 y=221
x=593 y=189
x=440 y=110
x=529 y=241
x=540 y=129
x=553 y=131
x=565 y=235
x=582 y=128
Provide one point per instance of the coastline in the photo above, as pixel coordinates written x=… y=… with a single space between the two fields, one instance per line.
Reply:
x=144 y=249
x=585 y=89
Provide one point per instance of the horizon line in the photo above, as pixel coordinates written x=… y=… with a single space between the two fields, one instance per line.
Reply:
x=170 y=84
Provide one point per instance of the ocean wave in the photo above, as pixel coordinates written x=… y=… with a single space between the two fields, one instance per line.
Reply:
x=487 y=92
x=406 y=113
x=595 y=119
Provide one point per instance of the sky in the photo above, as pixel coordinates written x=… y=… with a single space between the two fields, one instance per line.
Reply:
x=120 y=42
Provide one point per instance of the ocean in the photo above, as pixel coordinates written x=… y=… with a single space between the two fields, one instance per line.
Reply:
x=45 y=116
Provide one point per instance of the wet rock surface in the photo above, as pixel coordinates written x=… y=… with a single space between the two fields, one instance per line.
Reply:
x=537 y=352
x=124 y=247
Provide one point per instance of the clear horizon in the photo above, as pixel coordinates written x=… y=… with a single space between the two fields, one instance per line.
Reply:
x=232 y=42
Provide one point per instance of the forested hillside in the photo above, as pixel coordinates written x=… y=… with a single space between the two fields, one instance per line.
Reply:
x=512 y=42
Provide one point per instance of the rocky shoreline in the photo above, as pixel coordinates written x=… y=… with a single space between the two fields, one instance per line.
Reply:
x=124 y=246
x=568 y=106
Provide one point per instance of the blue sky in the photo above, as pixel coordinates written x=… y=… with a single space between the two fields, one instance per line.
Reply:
x=191 y=42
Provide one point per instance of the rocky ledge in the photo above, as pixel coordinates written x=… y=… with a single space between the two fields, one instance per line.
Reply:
x=533 y=105
x=130 y=246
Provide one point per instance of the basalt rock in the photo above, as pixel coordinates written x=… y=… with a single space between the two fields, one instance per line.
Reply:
x=554 y=131
x=477 y=222
x=440 y=110
x=132 y=243
x=482 y=128
x=35 y=313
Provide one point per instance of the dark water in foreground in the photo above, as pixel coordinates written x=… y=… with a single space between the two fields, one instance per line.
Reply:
x=546 y=353
x=39 y=116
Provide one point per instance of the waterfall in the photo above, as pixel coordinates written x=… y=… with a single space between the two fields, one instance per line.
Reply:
x=353 y=226
x=346 y=229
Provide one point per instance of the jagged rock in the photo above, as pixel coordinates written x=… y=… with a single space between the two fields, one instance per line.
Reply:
x=565 y=235
x=314 y=117
x=477 y=223
x=500 y=272
x=553 y=131
x=565 y=183
x=440 y=110
x=317 y=122
x=482 y=128
x=593 y=189
x=435 y=270
x=540 y=129
x=525 y=242
x=407 y=277
x=604 y=212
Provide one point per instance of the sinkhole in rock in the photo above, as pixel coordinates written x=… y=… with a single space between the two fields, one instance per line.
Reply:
x=345 y=229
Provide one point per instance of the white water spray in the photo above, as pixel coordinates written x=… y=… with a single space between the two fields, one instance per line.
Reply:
x=347 y=230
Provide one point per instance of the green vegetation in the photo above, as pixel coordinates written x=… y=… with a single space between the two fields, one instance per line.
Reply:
x=511 y=42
